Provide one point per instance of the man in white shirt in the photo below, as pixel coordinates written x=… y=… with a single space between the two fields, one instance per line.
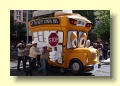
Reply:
x=32 y=56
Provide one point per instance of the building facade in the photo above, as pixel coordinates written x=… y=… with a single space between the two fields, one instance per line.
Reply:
x=23 y=16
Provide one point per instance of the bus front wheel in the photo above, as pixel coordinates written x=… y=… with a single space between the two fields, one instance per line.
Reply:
x=76 y=66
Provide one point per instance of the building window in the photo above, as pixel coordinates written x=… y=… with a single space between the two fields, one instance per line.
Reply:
x=18 y=12
x=18 y=18
x=29 y=19
x=29 y=11
x=24 y=19
x=29 y=15
x=24 y=14
x=24 y=11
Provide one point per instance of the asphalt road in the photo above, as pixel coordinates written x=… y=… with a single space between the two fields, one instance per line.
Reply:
x=54 y=71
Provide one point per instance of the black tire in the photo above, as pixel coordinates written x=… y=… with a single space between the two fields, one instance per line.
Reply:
x=76 y=67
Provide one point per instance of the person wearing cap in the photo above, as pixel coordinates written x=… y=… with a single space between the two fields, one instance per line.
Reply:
x=27 y=49
x=43 y=59
x=32 y=55
x=20 y=56
x=38 y=57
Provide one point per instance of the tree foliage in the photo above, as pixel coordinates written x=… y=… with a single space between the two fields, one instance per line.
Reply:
x=17 y=31
x=21 y=32
x=89 y=14
x=103 y=30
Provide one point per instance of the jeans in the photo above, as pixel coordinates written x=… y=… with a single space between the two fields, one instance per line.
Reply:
x=25 y=59
x=38 y=60
x=21 y=58
x=43 y=67
x=32 y=63
x=101 y=58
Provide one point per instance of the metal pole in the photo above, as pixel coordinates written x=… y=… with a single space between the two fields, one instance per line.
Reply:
x=27 y=25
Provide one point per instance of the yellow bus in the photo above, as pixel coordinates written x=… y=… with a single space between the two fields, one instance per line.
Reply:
x=72 y=30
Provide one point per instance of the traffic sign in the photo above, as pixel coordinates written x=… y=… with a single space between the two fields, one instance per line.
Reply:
x=53 y=39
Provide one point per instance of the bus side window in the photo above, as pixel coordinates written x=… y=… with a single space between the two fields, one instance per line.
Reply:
x=45 y=35
x=42 y=35
x=60 y=44
x=60 y=34
x=35 y=36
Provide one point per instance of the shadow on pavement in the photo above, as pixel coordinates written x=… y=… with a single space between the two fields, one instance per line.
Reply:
x=52 y=71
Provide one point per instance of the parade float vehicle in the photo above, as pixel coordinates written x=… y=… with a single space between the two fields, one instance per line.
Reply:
x=66 y=34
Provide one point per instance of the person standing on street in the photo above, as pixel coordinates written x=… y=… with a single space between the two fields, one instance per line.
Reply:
x=26 y=57
x=32 y=56
x=38 y=56
x=100 y=49
x=20 y=56
x=105 y=51
x=43 y=60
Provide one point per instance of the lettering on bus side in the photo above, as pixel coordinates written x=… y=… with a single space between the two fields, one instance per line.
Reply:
x=45 y=21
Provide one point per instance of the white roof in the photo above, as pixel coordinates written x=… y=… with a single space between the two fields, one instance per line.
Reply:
x=42 y=12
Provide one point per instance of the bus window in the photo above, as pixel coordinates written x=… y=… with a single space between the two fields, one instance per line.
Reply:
x=35 y=36
x=41 y=36
x=72 y=39
x=44 y=35
x=82 y=39
x=60 y=34
x=60 y=46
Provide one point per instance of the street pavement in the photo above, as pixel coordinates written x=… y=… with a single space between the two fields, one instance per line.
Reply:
x=104 y=70
x=54 y=71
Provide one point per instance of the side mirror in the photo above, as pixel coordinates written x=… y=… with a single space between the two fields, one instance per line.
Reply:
x=87 y=43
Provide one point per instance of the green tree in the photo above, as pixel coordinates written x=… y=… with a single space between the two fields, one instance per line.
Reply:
x=21 y=31
x=12 y=29
x=89 y=14
x=17 y=31
x=103 y=30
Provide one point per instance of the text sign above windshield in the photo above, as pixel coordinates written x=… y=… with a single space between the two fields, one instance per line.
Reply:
x=45 y=21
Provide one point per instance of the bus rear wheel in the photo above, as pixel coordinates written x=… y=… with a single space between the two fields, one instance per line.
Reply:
x=76 y=67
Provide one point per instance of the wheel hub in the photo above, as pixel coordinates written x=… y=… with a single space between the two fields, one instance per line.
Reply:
x=75 y=66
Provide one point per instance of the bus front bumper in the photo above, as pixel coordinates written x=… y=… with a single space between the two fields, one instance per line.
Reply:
x=92 y=67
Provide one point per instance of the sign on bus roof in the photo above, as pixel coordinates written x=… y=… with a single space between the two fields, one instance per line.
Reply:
x=45 y=21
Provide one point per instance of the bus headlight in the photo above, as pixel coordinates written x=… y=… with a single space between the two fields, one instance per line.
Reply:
x=93 y=51
x=95 y=55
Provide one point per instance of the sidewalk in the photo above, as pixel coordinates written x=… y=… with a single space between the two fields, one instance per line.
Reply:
x=105 y=61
